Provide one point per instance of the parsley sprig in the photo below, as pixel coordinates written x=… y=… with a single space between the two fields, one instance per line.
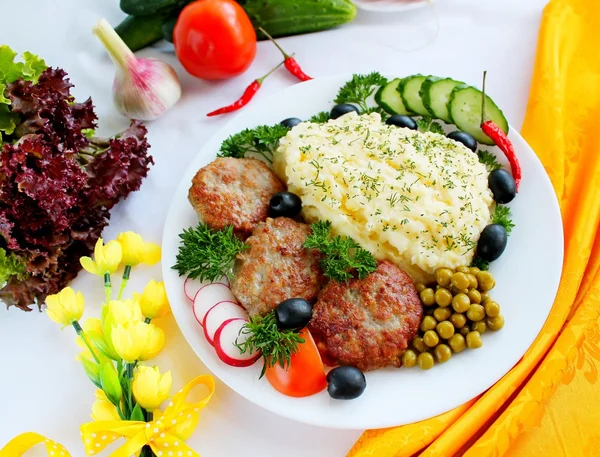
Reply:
x=320 y=118
x=275 y=345
x=502 y=216
x=489 y=160
x=359 y=89
x=341 y=255
x=208 y=254
x=427 y=124
x=261 y=140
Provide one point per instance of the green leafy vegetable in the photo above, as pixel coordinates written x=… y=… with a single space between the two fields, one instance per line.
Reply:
x=10 y=265
x=320 y=118
x=502 y=216
x=341 y=255
x=489 y=160
x=208 y=254
x=427 y=124
x=262 y=140
x=478 y=262
x=359 y=89
x=29 y=69
x=275 y=345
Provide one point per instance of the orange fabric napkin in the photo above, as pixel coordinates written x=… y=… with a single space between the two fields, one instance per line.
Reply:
x=548 y=404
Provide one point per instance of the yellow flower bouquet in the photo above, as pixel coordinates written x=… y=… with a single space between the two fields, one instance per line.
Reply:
x=115 y=352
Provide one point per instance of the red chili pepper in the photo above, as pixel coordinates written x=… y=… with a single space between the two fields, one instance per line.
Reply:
x=290 y=63
x=492 y=130
x=248 y=94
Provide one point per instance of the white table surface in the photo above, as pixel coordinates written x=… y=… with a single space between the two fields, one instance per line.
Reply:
x=42 y=387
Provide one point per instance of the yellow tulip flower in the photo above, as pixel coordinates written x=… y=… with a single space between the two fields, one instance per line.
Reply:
x=150 y=388
x=103 y=409
x=106 y=258
x=129 y=339
x=136 y=250
x=65 y=307
x=156 y=342
x=122 y=311
x=153 y=301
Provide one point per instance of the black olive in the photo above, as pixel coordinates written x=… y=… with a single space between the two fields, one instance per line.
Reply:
x=400 y=120
x=502 y=184
x=293 y=314
x=492 y=242
x=284 y=204
x=464 y=138
x=345 y=383
x=340 y=110
x=291 y=122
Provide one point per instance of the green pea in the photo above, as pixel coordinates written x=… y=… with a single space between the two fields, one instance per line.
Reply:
x=461 y=303
x=409 y=358
x=475 y=296
x=460 y=281
x=475 y=313
x=472 y=281
x=458 y=320
x=492 y=309
x=425 y=361
x=457 y=343
x=474 y=271
x=462 y=269
x=428 y=323
x=420 y=287
x=474 y=340
x=430 y=338
x=464 y=331
x=442 y=353
x=443 y=276
x=442 y=314
x=427 y=297
x=485 y=297
x=485 y=280
x=479 y=326
x=495 y=323
x=445 y=329
x=419 y=345
x=443 y=297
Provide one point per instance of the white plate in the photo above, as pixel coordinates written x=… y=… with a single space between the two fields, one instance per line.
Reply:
x=388 y=6
x=527 y=277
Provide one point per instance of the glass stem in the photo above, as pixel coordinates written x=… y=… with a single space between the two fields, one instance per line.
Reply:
x=81 y=333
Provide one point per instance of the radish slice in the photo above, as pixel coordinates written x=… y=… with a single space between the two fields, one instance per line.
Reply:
x=218 y=314
x=208 y=296
x=192 y=286
x=224 y=343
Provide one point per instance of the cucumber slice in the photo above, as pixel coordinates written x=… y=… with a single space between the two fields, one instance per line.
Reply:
x=389 y=99
x=435 y=93
x=465 y=111
x=409 y=90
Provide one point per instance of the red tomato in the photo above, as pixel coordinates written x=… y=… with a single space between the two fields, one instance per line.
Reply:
x=305 y=374
x=214 y=39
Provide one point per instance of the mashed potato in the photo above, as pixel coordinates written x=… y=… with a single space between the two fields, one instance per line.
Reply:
x=417 y=199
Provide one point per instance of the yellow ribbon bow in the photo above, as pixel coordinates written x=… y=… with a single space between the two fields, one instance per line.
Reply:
x=163 y=435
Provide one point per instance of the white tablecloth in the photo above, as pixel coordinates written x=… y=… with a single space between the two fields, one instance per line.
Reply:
x=42 y=387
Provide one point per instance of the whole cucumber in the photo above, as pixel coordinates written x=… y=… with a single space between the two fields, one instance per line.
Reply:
x=139 y=32
x=168 y=26
x=294 y=17
x=149 y=7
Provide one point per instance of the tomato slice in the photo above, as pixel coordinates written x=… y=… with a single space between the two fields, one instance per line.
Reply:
x=305 y=375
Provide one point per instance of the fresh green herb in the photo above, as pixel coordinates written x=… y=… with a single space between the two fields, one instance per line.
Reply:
x=208 y=254
x=427 y=124
x=502 y=216
x=262 y=140
x=341 y=255
x=359 y=89
x=10 y=265
x=275 y=345
x=478 y=262
x=89 y=133
x=320 y=118
x=377 y=109
x=489 y=160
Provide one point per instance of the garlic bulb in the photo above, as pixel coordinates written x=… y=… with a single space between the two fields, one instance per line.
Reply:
x=143 y=88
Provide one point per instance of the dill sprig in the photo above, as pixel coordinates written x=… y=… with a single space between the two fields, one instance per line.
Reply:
x=489 y=160
x=275 y=345
x=502 y=216
x=208 y=254
x=261 y=140
x=341 y=256
x=359 y=89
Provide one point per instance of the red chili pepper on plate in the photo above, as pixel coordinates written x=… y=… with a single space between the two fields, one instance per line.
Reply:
x=248 y=95
x=290 y=63
x=492 y=130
